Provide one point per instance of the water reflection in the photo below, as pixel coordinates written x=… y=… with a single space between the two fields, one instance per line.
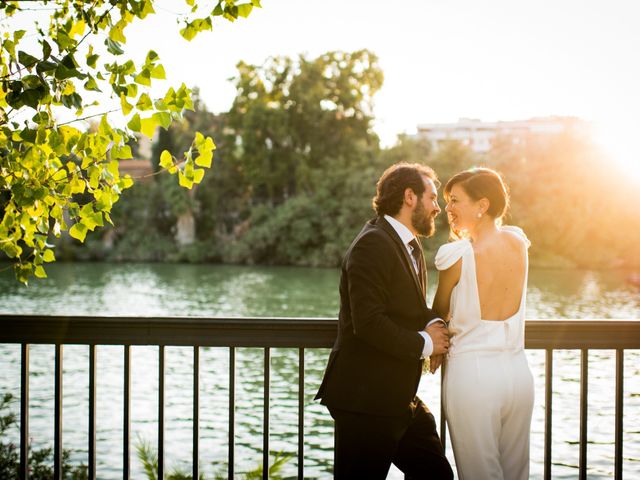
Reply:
x=205 y=290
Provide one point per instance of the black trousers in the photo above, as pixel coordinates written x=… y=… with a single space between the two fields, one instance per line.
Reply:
x=367 y=445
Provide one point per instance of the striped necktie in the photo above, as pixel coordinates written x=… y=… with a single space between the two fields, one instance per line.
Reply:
x=416 y=252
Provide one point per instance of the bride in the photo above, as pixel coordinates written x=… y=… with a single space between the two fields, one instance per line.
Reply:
x=488 y=387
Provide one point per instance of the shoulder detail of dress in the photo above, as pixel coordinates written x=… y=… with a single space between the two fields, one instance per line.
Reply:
x=519 y=232
x=450 y=253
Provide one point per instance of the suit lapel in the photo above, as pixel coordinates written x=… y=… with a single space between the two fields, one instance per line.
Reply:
x=408 y=262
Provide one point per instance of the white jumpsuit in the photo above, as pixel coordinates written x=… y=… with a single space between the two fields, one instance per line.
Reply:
x=488 y=387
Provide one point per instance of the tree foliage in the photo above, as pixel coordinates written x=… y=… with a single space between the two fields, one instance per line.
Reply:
x=297 y=166
x=297 y=159
x=55 y=175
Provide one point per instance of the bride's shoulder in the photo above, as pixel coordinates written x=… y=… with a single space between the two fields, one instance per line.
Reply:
x=450 y=253
x=517 y=234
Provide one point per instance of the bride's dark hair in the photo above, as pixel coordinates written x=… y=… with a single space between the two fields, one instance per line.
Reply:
x=481 y=183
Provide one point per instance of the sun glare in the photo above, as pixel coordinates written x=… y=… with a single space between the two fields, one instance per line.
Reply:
x=618 y=143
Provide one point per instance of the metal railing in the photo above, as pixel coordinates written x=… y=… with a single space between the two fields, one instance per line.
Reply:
x=267 y=333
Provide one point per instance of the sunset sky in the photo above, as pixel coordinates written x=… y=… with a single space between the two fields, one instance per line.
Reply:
x=442 y=59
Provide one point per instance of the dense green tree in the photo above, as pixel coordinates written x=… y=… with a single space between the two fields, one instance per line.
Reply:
x=295 y=176
x=304 y=138
x=69 y=68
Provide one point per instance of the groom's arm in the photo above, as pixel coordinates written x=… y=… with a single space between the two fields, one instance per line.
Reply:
x=369 y=270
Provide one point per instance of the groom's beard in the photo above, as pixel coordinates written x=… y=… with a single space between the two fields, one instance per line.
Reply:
x=423 y=223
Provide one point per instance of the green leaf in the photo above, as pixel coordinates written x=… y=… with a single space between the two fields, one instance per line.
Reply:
x=32 y=97
x=184 y=181
x=146 y=9
x=113 y=47
x=18 y=34
x=92 y=60
x=126 y=182
x=121 y=152
x=204 y=159
x=93 y=220
x=188 y=32
x=78 y=231
x=166 y=160
x=198 y=175
x=41 y=118
x=163 y=119
x=132 y=90
x=148 y=126
x=92 y=85
x=77 y=29
x=11 y=249
x=46 y=66
x=46 y=49
x=49 y=256
x=62 y=72
x=39 y=272
x=116 y=33
x=77 y=185
x=245 y=9
x=143 y=78
x=26 y=59
x=144 y=103
x=158 y=72
x=135 y=124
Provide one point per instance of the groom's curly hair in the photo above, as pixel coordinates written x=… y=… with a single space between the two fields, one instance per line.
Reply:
x=395 y=180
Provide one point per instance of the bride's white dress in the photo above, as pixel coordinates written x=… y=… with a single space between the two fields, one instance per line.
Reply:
x=488 y=387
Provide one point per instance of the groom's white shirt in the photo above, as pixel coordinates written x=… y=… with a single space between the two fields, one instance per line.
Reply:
x=406 y=236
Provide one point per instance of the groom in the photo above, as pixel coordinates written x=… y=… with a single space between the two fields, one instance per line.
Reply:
x=385 y=331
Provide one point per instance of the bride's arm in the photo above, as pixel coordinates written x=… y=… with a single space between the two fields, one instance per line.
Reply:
x=447 y=279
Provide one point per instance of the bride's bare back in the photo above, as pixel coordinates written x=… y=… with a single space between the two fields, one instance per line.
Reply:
x=500 y=273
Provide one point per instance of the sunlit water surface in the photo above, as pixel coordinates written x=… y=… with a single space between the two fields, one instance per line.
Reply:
x=205 y=290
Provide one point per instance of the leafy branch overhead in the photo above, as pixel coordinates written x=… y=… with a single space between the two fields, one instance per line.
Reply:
x=55 y=175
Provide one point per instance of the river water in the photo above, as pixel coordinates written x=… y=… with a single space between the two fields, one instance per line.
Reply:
x=205 y=290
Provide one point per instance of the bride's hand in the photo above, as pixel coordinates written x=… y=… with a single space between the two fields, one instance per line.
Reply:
x=436 y=361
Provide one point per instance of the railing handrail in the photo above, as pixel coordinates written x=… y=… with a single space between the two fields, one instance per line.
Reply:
x=298 y=332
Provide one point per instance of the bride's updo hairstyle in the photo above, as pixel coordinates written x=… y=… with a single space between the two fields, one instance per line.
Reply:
x=481 y=183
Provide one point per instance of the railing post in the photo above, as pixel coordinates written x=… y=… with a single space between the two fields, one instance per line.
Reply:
x=126 y=427
x=265 y=425
x=92 y=413
x=619 y=412
x=160 y=412
x=24 y=412
x=232 y=409
x=584 y=392
x=301 y=413
x=548 y=413
x=196 y=412
x=57 y=423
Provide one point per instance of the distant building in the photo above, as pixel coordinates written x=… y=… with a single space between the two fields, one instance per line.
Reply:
x=139 y=167
x=480 y=136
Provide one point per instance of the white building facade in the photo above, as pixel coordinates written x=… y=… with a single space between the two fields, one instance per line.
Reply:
x=480 y=136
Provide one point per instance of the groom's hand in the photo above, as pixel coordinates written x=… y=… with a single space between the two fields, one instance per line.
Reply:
x=439 y=336
x=435 y=362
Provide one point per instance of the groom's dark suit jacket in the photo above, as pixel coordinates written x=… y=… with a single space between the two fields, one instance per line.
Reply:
x=375 y=367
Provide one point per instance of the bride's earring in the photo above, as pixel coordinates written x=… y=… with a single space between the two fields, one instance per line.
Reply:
x=479 y=215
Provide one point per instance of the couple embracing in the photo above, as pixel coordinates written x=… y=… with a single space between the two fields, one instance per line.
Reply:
x=387 y=335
